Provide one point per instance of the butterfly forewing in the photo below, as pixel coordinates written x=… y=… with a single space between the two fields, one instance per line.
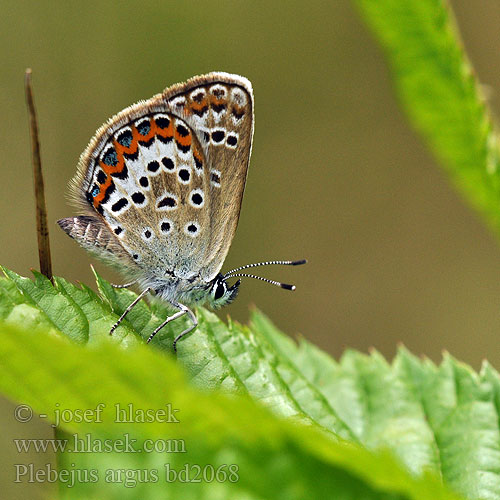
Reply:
x=167 y=175
x=219 y=109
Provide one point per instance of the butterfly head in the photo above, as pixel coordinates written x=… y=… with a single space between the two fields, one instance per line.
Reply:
x=220 y=293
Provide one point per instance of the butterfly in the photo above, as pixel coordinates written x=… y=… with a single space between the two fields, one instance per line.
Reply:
x=160 y=186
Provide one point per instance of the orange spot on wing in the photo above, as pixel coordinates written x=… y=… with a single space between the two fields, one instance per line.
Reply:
x=199 y=106
x=237 y=111
x=183 y=140
x=152 y=131
x=113 y=169
x=197 y=155
x=166 y=133
x=132 y=149
x=217 y=101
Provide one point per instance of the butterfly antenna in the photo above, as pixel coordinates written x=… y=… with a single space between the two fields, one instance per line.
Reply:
x=272 y=282
x=229 y=274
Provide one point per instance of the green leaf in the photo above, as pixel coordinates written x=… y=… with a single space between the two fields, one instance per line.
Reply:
x=230 y=357
x=14 y=310
x=142 y=319
x=60 y=310
x=98 y=316
x=275 y=458
x=462 y=411
x=330 y=418
x=440 y=93
x=443 y=418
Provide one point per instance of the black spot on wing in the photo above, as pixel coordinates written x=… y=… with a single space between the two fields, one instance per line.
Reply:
x=198 y=163
x=162 y=122
x=219 y=93
x=153 y=166
x=167 y=201
x=101 y=177
x=132 y=156
x=121 y=203
x=123 y=174
x=182 y=130
x=138 y=198
x=218 y=136
x=183 y=148
x=184 y=174
x=147 y=144
x=109 y=191
x=198 y=97
x=165 y=140
x=237 y=114
x=215 y=177
x=197 y=199
x=218 y=107
x=168 y=164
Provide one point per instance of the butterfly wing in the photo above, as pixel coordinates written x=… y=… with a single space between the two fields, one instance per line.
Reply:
x=218 y=107
x=165 y=177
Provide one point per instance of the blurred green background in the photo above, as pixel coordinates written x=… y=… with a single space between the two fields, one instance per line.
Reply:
x=337 y=175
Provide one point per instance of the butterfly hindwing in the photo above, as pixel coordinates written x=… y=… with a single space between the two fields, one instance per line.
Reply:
x=93 y=235
x=167 y=180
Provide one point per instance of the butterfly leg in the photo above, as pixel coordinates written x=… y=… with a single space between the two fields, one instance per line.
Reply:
x=193 y=318
x=183 y=310
x=126 y=285
x=129 y=308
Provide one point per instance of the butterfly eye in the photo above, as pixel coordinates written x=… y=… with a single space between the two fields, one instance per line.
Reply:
x=220 y=290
